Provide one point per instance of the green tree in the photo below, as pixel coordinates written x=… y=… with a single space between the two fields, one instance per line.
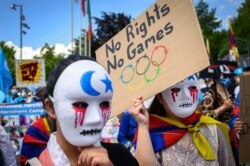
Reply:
x=208 y=22
x=108 y=26
x=51 y=59
x=241 y=24
x=241 y=46
x=209 y=25
x=218 y=40
x=241 y=27
x=9 y=53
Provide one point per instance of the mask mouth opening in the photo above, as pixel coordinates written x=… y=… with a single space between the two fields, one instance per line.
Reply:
x=186 y=105
x=90 y=132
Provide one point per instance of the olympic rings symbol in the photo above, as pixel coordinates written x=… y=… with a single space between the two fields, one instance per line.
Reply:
x=157 y=49
x=128 y=67
x=156 y=75
x=157 y=58
x=146 y=68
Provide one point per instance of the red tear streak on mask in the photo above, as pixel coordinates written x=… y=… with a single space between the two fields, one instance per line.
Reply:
x=105 y=114
x=174 y=95
x=79 y=115
x=194 y=94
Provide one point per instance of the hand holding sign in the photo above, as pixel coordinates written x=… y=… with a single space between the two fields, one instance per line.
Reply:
x=161 y=47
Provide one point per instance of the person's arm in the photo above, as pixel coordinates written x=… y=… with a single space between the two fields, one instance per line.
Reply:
x=144 y=150
x=226 y=105
x=94 y=156
x=7 y=150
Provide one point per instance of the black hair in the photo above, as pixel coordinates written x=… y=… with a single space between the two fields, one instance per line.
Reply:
x=12 y=86
x=156 y=107
x=42 y=94
x=246 y=69
x=62 y=64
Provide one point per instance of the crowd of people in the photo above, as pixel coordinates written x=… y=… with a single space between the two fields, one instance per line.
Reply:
x=219 y=98
x=194 y=122
x=17 y=95
x=17 y=125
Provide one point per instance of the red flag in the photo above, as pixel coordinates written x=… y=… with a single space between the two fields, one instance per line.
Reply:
x=83 y=7
x=232 y=42
x=90 y=22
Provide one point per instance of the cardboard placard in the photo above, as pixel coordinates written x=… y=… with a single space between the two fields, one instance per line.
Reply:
x=244 y=150
x=30 y=73
x=161 y=47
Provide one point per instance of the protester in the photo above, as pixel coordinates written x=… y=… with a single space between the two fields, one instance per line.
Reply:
x=14 y=134
x=81 y=91
x=226 y=79
x=24 y=120
x=2 y=97
x=216 y=102
x=235 y=123
x=13 y=96
x=3 y=121
x=237 y=73
x=110 y=130
x=37 y=135
x=8 y=157
x=180 y=134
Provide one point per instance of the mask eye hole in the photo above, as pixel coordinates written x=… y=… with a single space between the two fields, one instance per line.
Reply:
x=105 y=105
x=175 y=90
x=191 y=88
x=80 y=105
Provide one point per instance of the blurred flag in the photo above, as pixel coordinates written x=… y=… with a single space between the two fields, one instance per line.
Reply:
x=89 y=27
x=86 y=10
x=232 y=43
x=83 y=7
x=90 y=22
x=5 y=76
x=208 y=47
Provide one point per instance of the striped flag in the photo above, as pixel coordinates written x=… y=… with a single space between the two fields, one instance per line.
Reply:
x=232 y=43
x=83 y=7
x=90 y=22
x=208 y=47
x=86 y=10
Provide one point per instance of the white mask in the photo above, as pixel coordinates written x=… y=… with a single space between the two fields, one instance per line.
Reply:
x=182 y=98
x=82 y=100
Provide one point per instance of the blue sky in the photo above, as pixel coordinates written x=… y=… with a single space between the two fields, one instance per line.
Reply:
x=50 y=19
